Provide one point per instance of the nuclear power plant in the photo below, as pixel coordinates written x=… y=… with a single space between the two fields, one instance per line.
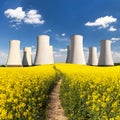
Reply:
x=93 y=58
x=105 y=58
x=76 y=52
x=27 y=56
x=68 y=59
x=51 y=57
x=44 y=52
x=14 y=56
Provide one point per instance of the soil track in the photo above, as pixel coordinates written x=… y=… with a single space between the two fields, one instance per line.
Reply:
x=55 y=110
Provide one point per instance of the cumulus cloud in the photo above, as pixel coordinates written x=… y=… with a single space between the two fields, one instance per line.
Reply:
x=102 y=22
x=112 y=29
x=32 y=17
x=18 y=16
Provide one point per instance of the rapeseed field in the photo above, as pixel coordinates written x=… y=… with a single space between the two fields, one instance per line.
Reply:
x=90 y=93
x=24 y=92
x=87 y=92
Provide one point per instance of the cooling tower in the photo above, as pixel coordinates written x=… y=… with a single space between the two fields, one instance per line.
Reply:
x=68 y=59
x=93 y=59
x=14 y=57
x=105 y=58
x=77 y=54
x=27 y=57
x=43 y=50
x=51 y=59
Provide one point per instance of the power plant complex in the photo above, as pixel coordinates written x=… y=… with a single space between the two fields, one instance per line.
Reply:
x=105 y=53
x=44 y=53
x=27 y=56
x=14 y=57
x=93 y=58
x=76 y=53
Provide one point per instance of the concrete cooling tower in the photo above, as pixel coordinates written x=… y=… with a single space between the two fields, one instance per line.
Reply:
x=93 y=59
x=14 y=57
x=27 y=56
x=44 y=51
x=77 y=54
x=51 y=58
x=68 y=59
x=105 y=58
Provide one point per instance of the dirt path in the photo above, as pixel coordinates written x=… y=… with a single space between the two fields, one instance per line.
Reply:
x=55 y=110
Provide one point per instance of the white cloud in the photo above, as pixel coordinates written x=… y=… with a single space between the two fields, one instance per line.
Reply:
x=59 y=35
x=47 y=31
x=115 y=40
x=19 y=16
x=15 y=26
x=112 y=29
x=32 y=17
x=63 y=50
x=61 y=39
x=16 y=15
x=102 y=22
x=33 y=47
x=63 y=34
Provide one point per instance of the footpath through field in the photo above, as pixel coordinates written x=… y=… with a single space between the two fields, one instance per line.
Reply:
x=55 y=110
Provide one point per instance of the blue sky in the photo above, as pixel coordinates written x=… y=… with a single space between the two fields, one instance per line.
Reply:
x=26 y=19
